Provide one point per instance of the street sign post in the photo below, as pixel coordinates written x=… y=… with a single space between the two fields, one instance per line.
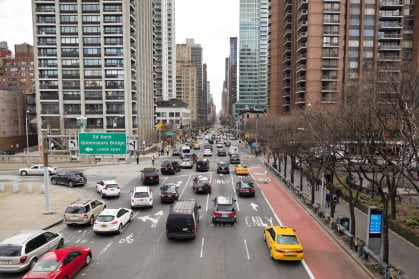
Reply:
x=103 y=143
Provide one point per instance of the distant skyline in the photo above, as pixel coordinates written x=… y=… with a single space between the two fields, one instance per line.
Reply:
x=210 y=23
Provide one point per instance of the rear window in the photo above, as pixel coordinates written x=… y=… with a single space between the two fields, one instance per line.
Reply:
x=247 y=185
x=224 y=207
x=141 y=195
x=111 y=185
x=105 y=218
x=180 y=218
x=10 y=250
x=287 y=239
x=46 y=266
x=75 y=209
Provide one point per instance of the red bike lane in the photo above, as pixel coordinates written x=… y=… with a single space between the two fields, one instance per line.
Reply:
x=324 y=257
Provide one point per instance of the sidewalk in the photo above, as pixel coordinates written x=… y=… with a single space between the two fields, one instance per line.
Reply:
x=403 y=254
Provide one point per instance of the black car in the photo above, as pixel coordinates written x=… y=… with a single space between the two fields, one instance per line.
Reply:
x=70 y=178
x=150 y=176
x=223 y=167
x=169 y=193
x=221 y=152
x=176 y=152
x=235 y=159
x=245 y=188
x=224 y=211
x=182 y=221
x=168 y=167
x=211 y=141
x=201 y=184
x=202 y=165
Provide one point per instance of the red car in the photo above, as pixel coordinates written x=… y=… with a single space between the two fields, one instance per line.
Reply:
x=63 y=263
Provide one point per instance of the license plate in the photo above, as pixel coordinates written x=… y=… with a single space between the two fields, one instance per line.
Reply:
x=246 y=190
x=103 y=226
x=224 y=215
x=4 y=262
x=169 y=196
x=185 y=229
x=141 y=200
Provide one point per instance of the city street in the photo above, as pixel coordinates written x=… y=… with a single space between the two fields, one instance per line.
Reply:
x=229 y=251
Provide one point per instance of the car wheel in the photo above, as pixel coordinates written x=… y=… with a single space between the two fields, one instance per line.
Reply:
x=33 y=262
x=54 y=181
x=120 y=229
x=71 y=184
x=88 y=259
x=270 y=253
x=60 y=244
x=102 y=195
x=23 y=173
x=131 y=216
x=91 y=221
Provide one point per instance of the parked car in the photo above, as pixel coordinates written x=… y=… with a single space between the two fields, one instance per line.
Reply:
x=242 y=169
x=169 y=193
x=70 y=178
x=150 y=176
x=168 y=167
x=20 y=251
x=201 y=184
x=37 y=170
x=221 y=152
x=108 y=188
x=202 y=165
x=224 y=211
x=61 y=263
x=83 y=211
x=245 y=188
x=141 y=196
x=112 y=220
x=223 y=167
x=283 y=243
x=187 y=163
x=182 y=220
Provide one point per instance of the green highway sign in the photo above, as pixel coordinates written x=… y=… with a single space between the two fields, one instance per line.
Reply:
x=170 y=134
x=103 y=143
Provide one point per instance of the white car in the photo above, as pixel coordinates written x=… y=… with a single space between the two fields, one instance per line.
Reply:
x=207 y=152
x=37 y=170
x=108 y=188
x=219 y=145
x=186 y=164
x=141 y=196
x=112 y=220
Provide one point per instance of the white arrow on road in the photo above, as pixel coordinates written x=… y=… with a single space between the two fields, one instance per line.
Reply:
x=179 y=182
x=153 y=220
x=160 y=213
x=254 y=206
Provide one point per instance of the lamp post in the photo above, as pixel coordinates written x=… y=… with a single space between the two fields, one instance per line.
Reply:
x=27 y=137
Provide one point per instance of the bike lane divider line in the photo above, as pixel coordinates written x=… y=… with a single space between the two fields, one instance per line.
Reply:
x=324 y=258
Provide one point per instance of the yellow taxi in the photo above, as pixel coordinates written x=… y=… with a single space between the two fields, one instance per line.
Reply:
x=283 y=243
x=242 y=169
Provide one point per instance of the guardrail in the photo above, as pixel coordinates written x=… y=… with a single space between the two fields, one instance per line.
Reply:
x=355 y=243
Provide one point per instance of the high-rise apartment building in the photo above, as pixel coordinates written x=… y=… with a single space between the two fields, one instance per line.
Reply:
x=94 y=59
x=164 y=49
x=231 y=77
x=186 y=80
x=253 y=55
x=318 y=47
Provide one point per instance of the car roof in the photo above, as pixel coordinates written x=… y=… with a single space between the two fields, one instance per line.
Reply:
x=222 y=162
x=284 y=230
x=109 y=211
x=80 y=202
x=109 y=182
x=21 y=237
x=150 y=170
x=201 y=177
x=141 y=189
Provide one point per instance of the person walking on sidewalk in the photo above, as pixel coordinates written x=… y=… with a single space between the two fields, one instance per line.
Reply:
x=167 y=151
x=338 y=193
x=152 y=160
x=328 y=198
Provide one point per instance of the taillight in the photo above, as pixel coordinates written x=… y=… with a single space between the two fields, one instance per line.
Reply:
x=118 y=188
x=241 y=190
x=299 y=251
x=114 y=222
x=163 y=195
x=193 y=228
x=232 y=214
x=279 y=250
x=95 y=223
x=85 y=216
x=64 y=217
x=252 y=190
x=167 y=228
x=170 y=168
x=105 y=189
x=175 y=195
x=217 y=214
x=23 y=259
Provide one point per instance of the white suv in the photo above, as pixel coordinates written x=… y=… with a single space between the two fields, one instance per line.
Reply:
x=141 y=196
x=108 y=188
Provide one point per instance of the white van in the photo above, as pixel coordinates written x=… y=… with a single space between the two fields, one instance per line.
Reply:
x=184 y=150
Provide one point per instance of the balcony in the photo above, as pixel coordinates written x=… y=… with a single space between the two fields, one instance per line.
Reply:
x=301 y=47
x=389 y=25
x=115 y=111
x=302 y=4
x=389 y=47
x=301 y=68
x=302 y=15
x=384 y=36
x=302 y=26
x=329 y=78
x=390 y=14
x=302 y=37
x=391 y=4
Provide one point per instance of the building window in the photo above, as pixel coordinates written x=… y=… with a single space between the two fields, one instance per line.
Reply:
x=113 y=40
x=90 y=8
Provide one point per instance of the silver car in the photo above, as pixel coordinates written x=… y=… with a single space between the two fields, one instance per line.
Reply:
x=21 y=251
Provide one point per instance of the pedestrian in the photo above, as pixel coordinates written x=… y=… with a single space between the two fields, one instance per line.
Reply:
x=152 y=160
x=162 y=152
x=158 y=151
x=338 y=193
x=138 y=159
x=167 y=151
x=335 y=200
x=328 y=197
x=317 y=185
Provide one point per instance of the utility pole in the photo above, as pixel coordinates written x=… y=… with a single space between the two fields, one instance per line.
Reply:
x=46 y=173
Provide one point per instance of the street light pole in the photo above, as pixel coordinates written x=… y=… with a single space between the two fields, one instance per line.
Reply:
x=27 y=138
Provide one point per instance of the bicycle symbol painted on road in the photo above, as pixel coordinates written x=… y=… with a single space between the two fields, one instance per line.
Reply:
x=127 y=239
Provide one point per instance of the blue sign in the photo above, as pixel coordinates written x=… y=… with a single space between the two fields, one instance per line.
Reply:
x=375 y=223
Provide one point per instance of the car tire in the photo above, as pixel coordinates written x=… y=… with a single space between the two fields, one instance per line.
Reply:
x=54 y=181
x=32 y=263
x=270 y=254
x=88 y=259
x=131 y=216
x=60 y=244
x=91 y=221
x=102 y=195
x=23 y=173
x=71 y=184
x=120 y=229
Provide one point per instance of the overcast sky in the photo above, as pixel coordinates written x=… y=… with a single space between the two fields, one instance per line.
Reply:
x=210 y=22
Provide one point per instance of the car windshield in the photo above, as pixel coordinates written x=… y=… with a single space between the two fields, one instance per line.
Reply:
x=287 y=239
x=10 y=250
x=105 y=218
x=75 y=209
x=141 y=195
x=46 y=266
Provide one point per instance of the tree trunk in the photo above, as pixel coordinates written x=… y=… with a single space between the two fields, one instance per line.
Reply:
x=292 y=169
x=301 y=175
x=285 y=165
x=393 y=207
